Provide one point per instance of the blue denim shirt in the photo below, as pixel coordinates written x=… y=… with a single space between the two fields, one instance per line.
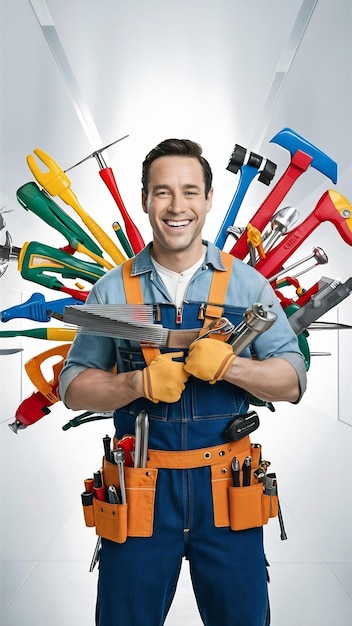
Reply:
x=200 y=401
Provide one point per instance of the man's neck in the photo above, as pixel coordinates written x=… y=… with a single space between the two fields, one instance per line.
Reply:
x=178 y=261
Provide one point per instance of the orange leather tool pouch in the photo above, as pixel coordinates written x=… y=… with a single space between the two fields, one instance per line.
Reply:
x=250 y=507
x=240 y=507
x=134 y=519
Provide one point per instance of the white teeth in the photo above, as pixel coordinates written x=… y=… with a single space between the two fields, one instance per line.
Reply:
x=171 y=223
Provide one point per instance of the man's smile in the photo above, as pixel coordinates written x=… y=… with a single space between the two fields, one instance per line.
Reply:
x=178 y=223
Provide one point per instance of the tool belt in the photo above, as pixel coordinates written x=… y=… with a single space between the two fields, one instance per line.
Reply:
x=239 y=507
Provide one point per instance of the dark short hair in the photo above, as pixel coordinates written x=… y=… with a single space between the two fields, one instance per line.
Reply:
x=177 y=147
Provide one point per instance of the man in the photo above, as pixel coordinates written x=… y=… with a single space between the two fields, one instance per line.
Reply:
x=190 y=396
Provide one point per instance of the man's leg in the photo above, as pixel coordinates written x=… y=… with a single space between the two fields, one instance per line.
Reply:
x=136 y=583
x=228 y=568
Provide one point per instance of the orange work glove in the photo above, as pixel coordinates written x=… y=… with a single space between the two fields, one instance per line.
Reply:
x=164 y=379
x=209 y=359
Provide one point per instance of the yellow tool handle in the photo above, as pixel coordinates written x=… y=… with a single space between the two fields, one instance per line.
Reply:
x=60 y=333
x=94 y=228
x=98 y=259
x=254 y=237
x=56 y=182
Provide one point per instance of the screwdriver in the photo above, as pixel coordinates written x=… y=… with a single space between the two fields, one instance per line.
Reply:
x=246 y=470
x=235 y=469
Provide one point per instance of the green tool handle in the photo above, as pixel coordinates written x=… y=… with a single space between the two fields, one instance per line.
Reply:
x=37 y=258
x=123 y=239
x=52 y=333
x=38 y=202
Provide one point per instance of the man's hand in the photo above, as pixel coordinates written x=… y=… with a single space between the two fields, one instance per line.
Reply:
x=209 y=359
x=164 y=379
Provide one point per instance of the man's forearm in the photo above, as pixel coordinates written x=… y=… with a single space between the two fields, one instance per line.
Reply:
x=96 y=390
x=272 y=380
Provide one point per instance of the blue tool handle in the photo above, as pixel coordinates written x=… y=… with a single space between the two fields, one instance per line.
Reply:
x=247 y=174
x=36 y=308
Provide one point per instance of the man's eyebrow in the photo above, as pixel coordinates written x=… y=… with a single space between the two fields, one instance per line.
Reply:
x=186 y=186
x=157 y=187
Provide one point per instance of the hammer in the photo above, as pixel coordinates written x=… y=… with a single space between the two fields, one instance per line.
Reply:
x=107 y=175
x=249 y=164
x=303 y=155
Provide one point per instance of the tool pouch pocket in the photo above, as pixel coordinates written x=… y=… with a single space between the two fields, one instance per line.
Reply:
x=246 y=507
x=134 y=519
x=110 y=520
x=88 y=512
x=250 y=507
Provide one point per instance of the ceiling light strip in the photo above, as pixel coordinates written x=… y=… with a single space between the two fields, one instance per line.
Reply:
x=303 y=18
x=45 y=20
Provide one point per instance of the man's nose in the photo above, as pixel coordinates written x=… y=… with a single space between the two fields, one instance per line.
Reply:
x=178 y=203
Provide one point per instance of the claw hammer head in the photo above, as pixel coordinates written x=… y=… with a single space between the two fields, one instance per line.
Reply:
x=293 y=142
x=54 y=180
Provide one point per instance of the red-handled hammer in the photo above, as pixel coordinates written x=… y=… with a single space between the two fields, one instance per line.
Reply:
x=304 y=154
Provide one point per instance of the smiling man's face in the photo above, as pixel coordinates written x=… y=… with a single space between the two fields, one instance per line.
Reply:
x=177 y=208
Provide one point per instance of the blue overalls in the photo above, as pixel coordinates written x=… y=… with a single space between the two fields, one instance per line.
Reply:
x=138 y=578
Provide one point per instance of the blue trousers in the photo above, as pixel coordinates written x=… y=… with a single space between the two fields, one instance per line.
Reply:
x=138 y=579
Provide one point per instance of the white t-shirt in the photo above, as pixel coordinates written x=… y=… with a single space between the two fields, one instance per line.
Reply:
x=175 y=283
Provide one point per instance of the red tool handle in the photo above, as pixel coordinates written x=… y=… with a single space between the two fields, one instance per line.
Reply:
x=133 y=234
x=33 y=409
x=299 y=164
x=75 y=293
x=327 y=209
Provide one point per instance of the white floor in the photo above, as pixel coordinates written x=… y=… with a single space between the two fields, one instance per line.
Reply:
x=46 y=550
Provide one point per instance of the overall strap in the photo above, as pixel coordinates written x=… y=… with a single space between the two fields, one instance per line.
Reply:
x=218 y=290
x=134 y=295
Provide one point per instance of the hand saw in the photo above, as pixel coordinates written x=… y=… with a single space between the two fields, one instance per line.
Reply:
x=110 y=321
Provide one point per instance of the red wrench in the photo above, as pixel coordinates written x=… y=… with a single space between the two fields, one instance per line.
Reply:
x=332 y=207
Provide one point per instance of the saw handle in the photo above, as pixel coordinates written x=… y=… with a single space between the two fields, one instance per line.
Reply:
x=34 y=371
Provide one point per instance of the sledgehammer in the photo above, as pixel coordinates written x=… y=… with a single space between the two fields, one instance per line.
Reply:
x=303 y=155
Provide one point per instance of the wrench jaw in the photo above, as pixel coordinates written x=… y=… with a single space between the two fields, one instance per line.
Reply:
x=6 y=253
x=220 y=328
x=54 y=181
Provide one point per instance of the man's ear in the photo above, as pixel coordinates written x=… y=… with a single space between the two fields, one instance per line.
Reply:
x=144 y=201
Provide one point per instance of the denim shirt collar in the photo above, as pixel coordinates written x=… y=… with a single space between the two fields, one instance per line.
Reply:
x=142 y=263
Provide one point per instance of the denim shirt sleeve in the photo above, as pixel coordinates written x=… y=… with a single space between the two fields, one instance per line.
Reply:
x=91 y=351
